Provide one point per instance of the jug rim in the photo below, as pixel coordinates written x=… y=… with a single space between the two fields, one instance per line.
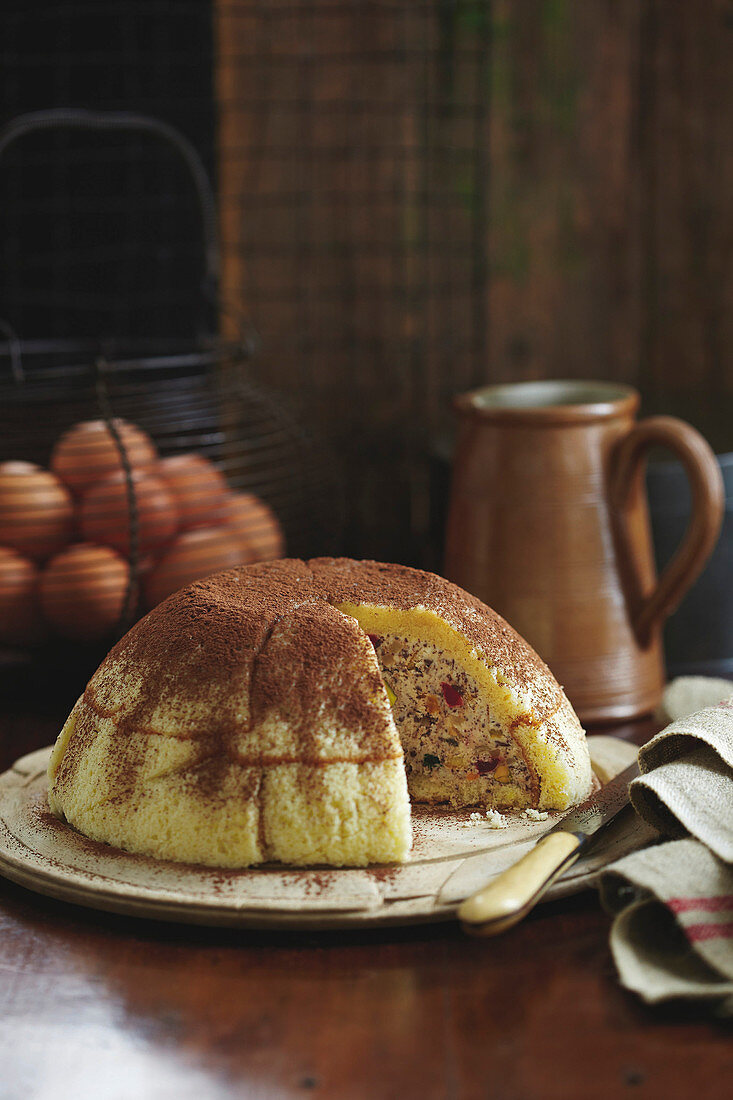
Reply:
x=549 y=401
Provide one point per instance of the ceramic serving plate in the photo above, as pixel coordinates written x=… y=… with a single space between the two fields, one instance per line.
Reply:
x=452 y=857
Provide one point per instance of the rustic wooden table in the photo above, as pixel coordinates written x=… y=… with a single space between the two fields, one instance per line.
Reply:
x=99 y=1006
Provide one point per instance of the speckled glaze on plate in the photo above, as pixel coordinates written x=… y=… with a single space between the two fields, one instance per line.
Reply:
x=452 y=857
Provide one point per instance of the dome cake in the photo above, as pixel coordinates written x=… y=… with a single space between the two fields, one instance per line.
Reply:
x=288 y=711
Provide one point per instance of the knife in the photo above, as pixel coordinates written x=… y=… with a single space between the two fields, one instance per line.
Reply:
x=510 y=896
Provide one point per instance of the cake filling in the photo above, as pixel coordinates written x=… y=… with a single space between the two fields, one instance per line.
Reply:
x=455 y=750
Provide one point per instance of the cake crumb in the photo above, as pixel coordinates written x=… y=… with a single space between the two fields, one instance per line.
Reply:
x=475 y=817
x=495 y=820
x=535 y=815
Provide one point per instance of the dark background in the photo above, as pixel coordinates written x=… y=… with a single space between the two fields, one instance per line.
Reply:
x=100 y=233
x=415 y=198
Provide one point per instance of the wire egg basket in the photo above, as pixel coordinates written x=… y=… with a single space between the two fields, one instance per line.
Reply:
x=131 y=466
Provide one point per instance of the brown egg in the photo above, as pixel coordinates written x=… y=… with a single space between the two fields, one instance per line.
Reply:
x=83 y=591
x=105 y=513
x=193 y=555
x=35 y=510
x=87 y=453
x=257 y=525
x=21 y=622
x=199 y=489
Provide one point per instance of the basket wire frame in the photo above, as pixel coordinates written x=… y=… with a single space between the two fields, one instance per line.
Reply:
x=188 y=395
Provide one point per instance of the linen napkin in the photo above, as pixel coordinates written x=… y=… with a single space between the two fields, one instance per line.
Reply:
x=672 y=936
x=687 y=694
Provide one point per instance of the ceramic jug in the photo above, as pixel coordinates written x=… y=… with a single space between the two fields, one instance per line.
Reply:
x=548 y=524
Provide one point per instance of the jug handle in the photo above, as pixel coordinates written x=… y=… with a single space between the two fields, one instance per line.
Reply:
x=708 y=503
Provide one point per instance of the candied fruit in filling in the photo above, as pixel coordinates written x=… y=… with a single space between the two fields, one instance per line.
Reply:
x=455 y=750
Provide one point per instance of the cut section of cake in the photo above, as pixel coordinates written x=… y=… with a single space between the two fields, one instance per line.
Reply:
x=481 y=718
x=282 y=712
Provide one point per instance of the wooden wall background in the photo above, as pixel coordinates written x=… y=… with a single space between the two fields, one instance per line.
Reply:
x=420 y=197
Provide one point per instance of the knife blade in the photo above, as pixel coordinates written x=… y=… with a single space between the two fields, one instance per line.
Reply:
x=512 y=894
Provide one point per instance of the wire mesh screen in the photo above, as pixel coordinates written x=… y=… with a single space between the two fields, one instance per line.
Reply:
x=348 y=143
x=354 y=189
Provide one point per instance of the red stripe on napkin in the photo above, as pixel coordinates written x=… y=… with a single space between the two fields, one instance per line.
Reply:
x=708 y=931
x=708 y=905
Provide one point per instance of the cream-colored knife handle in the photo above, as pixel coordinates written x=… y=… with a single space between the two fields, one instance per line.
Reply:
x=511 y=895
